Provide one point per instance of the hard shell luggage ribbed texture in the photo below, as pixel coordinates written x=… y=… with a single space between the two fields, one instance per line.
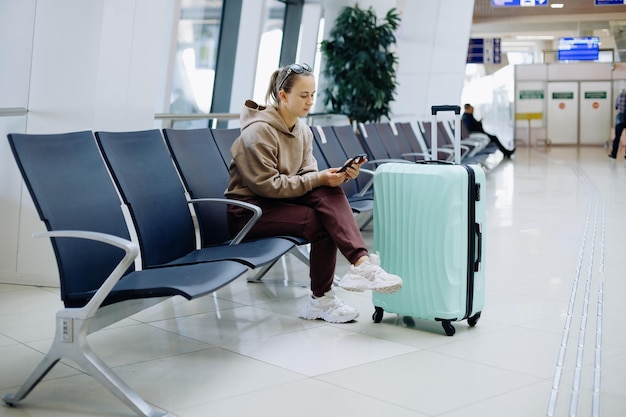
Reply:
x=428 y=229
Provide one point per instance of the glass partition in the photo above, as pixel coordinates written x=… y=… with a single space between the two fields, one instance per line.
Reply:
x=269 y=47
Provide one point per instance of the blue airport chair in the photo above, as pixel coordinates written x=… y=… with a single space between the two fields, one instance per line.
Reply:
x=77 y=201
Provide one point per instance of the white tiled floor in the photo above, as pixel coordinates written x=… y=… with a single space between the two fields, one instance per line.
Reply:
x=555 y=233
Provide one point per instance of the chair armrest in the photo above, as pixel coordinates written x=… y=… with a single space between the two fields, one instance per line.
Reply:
x=256 y=214
x=463 y=147
x=478 y=136
x=130 y=253
x=409 y=154
x=473 y=142
x=368 y=184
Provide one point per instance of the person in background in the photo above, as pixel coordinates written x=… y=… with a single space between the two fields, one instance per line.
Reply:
x=273 y=167
x=474 y=125
x=620 y=121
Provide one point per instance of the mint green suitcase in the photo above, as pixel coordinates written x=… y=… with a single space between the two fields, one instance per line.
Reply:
x=428 y=229
x=428 y=221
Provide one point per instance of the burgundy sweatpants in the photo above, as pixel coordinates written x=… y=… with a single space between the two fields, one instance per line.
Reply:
x=322 y=216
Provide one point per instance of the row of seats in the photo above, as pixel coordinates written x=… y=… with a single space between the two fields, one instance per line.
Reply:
x=474 y=147
x=170 y=236
x=398 y=142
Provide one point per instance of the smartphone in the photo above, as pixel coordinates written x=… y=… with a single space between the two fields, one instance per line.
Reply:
x=355 y=160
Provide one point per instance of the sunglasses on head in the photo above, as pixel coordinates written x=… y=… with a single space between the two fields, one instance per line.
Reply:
x=295 y=68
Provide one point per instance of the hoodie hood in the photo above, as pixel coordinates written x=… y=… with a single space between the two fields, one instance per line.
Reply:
x=255 y=113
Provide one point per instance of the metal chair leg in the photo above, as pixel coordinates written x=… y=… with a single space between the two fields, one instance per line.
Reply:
x=260 y=272
x=71 y=342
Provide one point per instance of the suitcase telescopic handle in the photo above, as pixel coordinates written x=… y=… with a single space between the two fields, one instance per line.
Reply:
x=457 y=130
x=479 y=246
x=437 y=109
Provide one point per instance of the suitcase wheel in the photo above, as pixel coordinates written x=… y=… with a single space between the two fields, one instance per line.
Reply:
x=473 y=320
x=408 y=320
x=378 y=314
x=448 y=327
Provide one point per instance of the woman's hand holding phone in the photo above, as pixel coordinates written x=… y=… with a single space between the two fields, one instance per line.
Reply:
x=333 y=177
x=358 y=159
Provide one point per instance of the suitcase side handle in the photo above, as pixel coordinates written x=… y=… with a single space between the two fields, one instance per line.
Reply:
x=479 y=245
x=437 y=109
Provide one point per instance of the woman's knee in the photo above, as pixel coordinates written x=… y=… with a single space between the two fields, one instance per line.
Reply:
x=314 y=228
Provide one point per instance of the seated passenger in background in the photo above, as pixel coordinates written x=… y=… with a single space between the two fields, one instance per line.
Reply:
x=273 y=167
x=474 y=125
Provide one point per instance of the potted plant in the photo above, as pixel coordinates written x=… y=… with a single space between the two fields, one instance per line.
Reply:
x=359 y=66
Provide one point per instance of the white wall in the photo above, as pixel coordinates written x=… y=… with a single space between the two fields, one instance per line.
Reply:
x=17 y=21
x=94 y=65
x=432 y=47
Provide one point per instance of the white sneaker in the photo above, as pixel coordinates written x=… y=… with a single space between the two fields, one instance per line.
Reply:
x=329 y=308
x=370 y=276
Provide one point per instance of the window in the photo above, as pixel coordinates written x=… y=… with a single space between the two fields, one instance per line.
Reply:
x=195 y=57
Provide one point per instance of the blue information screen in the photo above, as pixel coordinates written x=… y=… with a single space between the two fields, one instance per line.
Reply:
x=579 y=48
x=484 y=51
x=610 y=2
x=519 y=3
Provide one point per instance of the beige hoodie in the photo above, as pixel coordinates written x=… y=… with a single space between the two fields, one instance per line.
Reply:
x=268 y=160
